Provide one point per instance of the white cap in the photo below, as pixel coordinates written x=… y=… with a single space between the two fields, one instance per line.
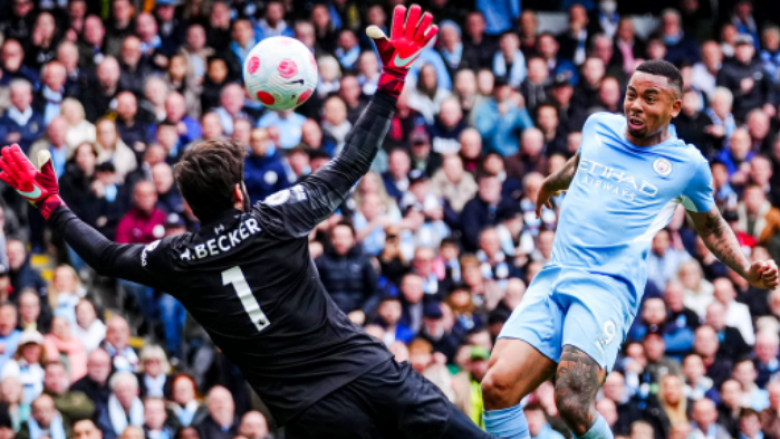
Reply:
x=31 y=337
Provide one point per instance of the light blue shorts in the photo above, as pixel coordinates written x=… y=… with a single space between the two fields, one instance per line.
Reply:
x=570 y=306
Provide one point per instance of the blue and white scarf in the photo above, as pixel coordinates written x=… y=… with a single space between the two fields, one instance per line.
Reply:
x=187 y=413
x=242 y=52
x=20 y=117
x=156 y=43
x=518 y=72
x=349 y=57
x=119 y=419
x=453 y=58
x=729 y=123
x=771 y=63
x=55 y=430
x=53 y=104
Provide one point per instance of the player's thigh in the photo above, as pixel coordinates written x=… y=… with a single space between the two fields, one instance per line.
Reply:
x=337 y=416
x=538 y=320
x=528 y=346
x=597 y=317
x=516 y=369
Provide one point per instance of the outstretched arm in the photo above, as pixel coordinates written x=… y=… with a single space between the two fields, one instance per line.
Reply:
x=296 y=211
x=722 y=242
x=39 y=187
x=556 y=182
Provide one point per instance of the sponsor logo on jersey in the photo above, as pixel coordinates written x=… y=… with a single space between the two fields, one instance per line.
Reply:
x=222 y=243
x=662 y=166
x=615 y=181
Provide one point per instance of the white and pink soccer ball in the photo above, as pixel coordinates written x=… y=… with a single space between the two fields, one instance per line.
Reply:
x=280 y=72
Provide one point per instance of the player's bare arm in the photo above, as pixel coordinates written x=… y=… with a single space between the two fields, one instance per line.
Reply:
x=722 y=242
x=556 y=182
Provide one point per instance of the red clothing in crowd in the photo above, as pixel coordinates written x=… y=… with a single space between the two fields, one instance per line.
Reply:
x=138 y=227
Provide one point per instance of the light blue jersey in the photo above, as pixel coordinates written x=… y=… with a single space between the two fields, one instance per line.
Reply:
x=620 y=197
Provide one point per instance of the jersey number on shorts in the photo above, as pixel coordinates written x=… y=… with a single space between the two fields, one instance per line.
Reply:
x=236 y=277
x=609 y=331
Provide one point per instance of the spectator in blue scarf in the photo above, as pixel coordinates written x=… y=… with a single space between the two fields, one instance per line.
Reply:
x=770 y=55
x=348 y=49
x=743 y=20
x=451 y=49
x=264 y=171
x=243 y=41
x=273 y=24
x=509 y=62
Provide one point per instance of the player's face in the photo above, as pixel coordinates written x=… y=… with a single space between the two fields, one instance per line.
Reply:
x=650 y=105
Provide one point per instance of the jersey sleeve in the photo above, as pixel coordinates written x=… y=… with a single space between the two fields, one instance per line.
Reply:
x=144 y=264
x=294 y=212
x=588 y=131
x=698 y=196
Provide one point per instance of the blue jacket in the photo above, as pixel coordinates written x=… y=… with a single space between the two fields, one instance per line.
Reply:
x=264 y=176
x=24 y=72
x=350 y=280
x=403 y=334
x=500 y=15
x=501 y=133
x=686 y=49
x=731 y=165
x=194 y=131
x=30 y=132
x=391 y=188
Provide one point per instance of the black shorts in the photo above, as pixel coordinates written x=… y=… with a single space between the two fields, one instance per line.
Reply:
x=391 y=401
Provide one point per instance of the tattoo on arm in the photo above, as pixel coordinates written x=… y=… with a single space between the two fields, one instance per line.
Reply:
x=577 y=381
x=720 y=239
x=561 y=180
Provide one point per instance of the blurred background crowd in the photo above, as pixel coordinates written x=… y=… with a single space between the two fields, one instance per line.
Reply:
x=437 y=244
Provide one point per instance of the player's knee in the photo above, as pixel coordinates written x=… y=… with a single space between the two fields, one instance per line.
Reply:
x=496 y=391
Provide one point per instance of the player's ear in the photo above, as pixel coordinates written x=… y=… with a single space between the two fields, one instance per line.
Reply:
x=676 y=106
x=238 y=195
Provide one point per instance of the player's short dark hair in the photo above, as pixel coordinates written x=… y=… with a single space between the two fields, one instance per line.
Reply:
x=207 y=174
x=665 y=69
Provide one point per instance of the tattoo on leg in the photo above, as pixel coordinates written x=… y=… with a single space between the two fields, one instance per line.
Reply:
x=576 y=383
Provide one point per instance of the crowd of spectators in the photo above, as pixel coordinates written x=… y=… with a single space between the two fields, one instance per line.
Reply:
x=437 y=244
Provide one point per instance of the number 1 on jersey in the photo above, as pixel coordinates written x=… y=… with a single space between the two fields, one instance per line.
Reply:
x=236 y=277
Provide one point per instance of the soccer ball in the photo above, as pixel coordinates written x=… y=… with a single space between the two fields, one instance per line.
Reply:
x=280 y=72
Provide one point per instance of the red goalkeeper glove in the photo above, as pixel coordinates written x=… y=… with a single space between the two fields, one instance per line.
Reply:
x=38 y=186
x=401 y=50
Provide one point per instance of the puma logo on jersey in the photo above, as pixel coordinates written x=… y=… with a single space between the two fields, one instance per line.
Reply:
x=222 y=243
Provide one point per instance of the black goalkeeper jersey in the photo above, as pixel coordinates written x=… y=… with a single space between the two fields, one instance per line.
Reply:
x=249 y=280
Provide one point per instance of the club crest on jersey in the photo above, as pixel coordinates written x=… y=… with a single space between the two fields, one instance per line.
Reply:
x=662 y=166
